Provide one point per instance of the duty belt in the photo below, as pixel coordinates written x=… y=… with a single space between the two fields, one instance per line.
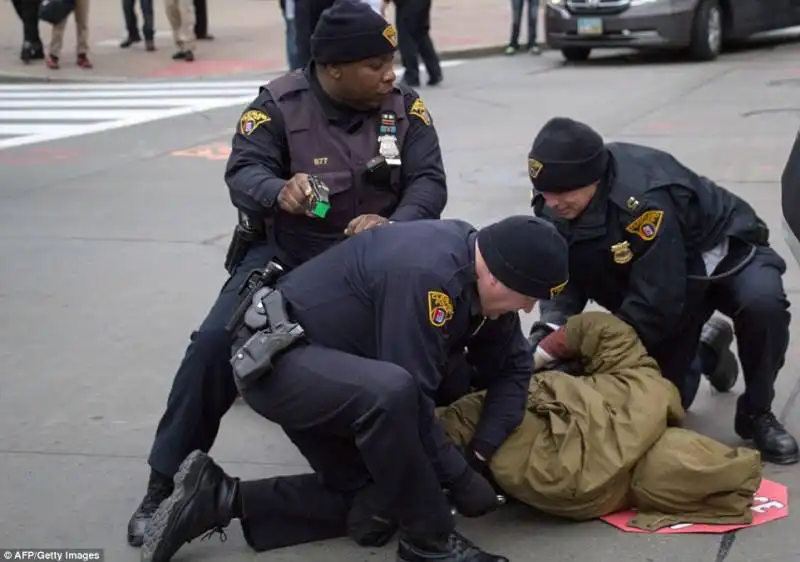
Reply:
x=262 y=323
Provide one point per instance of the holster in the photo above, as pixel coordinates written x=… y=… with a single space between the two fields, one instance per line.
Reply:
x=247 y=233
x=267 y=333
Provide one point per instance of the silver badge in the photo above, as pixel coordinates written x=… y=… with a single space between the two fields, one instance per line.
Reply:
x=387 y=147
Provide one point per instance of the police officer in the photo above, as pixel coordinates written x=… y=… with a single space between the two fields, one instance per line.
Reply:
x=413 y=27
x=375 y=148
x=664 y=248
x=357 y=397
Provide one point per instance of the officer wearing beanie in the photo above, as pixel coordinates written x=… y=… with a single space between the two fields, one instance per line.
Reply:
x=382 y=312
x=371 y=143
x=664 y=248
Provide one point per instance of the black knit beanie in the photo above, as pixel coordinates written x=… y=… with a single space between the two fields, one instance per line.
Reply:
x=350 y=31
x=566 y=155
x=527 y=255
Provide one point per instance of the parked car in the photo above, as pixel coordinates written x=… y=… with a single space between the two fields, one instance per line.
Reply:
x=699 y=26
x=790 y=199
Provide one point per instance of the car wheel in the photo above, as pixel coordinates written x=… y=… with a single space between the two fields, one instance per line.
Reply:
x=707 y=28
x=576 y=54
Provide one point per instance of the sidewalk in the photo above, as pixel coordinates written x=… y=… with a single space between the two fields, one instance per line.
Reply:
x=249 y=39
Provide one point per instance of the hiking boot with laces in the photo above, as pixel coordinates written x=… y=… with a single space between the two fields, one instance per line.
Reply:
x=457 y=548
x=202 y=504
x=770 y=437
x=158 y=489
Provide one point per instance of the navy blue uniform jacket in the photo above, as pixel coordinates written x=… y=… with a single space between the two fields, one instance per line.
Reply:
x=405 y=293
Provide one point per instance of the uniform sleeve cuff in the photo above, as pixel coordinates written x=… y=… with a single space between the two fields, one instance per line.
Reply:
x=407 y=213
x=271 y=188
x=485 y=449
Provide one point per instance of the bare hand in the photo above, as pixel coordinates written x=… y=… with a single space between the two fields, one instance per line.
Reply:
x=294 y=195
x=364 y=222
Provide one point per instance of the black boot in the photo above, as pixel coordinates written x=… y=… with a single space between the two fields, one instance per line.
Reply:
x=158 y=489
x=31 y=51
x=370 y=521
x=770 y=437
x=204 y=500
x=717 y=336
x=455 y=549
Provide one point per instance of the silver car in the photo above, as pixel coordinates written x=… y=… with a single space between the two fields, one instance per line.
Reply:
x=699 y=26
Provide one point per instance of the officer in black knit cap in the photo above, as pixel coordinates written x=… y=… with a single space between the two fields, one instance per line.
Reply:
x=664 y=248
x=382 y=313
x=375 y=147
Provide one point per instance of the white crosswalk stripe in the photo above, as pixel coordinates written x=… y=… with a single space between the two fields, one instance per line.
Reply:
x=34 y=113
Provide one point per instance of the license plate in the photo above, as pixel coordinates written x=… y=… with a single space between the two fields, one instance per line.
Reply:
x=590 y=26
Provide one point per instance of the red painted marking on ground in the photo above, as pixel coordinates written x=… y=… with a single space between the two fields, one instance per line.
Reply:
x=214 y=151
x=770 y=502
x=38 y=156
x=214 y=67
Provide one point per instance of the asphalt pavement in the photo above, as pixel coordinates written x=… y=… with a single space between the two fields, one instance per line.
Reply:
x=111 y=251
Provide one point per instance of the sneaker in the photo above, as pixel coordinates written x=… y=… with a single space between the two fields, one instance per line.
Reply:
x=84 y=62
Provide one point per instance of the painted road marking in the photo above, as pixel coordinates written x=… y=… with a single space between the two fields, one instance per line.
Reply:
x=35 y=113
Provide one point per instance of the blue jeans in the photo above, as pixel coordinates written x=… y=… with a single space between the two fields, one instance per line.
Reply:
x=131 y=23
x=516 y=21
x=291 y=45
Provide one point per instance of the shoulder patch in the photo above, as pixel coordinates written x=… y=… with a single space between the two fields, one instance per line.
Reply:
x=646 y=225
x=419 y=110
x=251 y=120
x=440 y=308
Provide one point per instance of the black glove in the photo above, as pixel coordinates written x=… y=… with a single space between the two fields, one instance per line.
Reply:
x=472 y=495
x=368 y=521
x=538 y=332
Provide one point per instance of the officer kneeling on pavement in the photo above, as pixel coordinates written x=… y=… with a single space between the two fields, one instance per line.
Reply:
x=341 y=128
x=353 y=350
x=663 y=248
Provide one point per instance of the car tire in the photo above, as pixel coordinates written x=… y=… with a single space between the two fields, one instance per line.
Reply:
x=706 y=41
x=576 y=54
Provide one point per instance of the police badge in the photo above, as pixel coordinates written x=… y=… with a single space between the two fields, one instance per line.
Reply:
x=387 y=139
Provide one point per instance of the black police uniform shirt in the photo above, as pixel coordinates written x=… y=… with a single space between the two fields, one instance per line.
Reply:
x=259 y=164
x=406 y=293
x=644 y=232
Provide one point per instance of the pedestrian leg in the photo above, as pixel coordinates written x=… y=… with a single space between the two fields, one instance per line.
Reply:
x=186 y=8
x=131 y=24
x=148 y=25
x=82 y=30
x=516 y=23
